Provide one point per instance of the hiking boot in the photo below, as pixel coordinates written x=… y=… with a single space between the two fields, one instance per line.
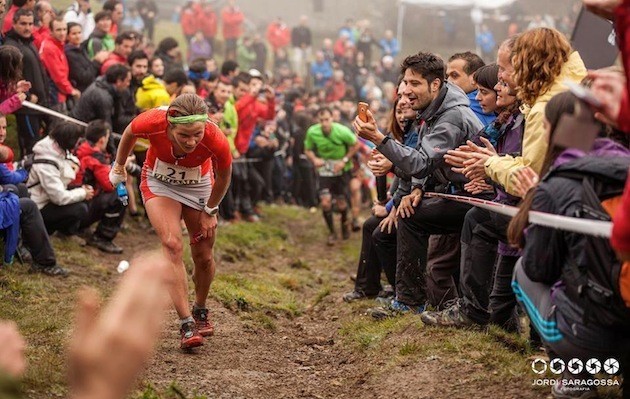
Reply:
x=356 y=226
x=23 y=255
x=203 y=324
x=450 y=317
x=393 y=309
x=190 y=336
x=332 y=239
x=54 y=271
x=561 y=391
x=104 y=245
x=355 y=296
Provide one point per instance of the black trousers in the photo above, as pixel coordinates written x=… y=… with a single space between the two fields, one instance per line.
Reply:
x=241 y=188
x=65 y=218
x=28 y=132
x=304 y=189
x=34 y=235
x=432 y=216
x=109 y=212
x=370 y=266
x=226 y=207
x=443 y=259
x=481 y=233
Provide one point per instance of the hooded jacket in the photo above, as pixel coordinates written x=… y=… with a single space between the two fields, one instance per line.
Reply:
x=535 y=141
x=97 y=102
x=444 y=125
x=249 y=110
x=32 y=70
x=47 y=182
x=95 y=167
x=151 y=94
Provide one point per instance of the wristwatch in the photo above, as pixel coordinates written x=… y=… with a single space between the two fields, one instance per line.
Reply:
x=211 y=211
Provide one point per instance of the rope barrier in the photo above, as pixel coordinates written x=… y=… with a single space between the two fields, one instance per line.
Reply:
x=591 y=227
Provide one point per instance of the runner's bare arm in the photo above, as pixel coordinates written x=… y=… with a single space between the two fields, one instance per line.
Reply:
x=221 y=184
x=125 y=146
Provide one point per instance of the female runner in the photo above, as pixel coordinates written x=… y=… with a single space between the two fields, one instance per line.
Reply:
x=185 y=175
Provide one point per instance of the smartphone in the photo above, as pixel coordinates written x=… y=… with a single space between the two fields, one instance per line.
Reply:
x=362 y=109
x=584 y=94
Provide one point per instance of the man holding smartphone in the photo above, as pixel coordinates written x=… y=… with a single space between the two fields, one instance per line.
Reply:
x=330 y=147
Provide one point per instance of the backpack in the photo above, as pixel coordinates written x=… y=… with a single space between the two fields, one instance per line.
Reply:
x=595 y=279
x=29 y=160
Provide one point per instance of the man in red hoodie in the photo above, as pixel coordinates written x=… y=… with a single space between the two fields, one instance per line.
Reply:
x=55 y=62
x=105 y=208
x=250 y=108
x=278 y=35
x=232 y=18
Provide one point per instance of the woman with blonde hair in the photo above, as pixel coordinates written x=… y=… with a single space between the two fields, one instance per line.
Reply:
x=543 y=60
x=185 y=175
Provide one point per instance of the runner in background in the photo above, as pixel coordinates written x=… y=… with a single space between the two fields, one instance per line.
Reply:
x=185 y=175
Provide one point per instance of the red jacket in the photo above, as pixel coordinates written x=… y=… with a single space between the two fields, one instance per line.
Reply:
x=208 y=23
x=621 y=224
x=249 y=110
x=190 y=20
x=39 y=35
x=335 y=91
x=278 y=35
x=232 y=21
x=113 y=59
x=8 y=19
x=94 y=170
x=54 y=60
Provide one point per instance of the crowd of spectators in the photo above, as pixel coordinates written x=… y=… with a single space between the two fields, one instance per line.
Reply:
x=477 y=125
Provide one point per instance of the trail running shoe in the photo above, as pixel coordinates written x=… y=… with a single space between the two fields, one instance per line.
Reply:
x=190 y=336
x=450 y=317
x=355 y=296
x=204 y=325
x=393 y=309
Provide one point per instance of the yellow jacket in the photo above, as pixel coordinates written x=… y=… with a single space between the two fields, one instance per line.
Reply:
x=151 y=94
x=535 y=140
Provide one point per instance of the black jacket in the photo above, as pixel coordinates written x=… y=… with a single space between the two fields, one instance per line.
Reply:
x=99 y=101
x=83 y=71
x=33 y=70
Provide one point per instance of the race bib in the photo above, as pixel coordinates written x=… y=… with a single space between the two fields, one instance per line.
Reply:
x=174 y=174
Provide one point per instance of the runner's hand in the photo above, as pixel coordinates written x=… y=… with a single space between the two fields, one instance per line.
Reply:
x=208 y=226
x=117 y=174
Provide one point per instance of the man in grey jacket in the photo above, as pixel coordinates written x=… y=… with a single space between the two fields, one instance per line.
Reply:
x=446 y=121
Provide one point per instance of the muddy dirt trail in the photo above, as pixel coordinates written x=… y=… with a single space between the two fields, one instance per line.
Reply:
x=306 y=356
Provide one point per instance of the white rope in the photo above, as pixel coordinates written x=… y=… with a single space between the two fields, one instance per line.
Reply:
x=596 y=228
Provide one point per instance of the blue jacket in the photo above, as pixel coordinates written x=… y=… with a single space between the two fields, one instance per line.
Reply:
x=486 y=119
x=10 y=223
x=324 y=69
x=390 y=47
x=12 y=177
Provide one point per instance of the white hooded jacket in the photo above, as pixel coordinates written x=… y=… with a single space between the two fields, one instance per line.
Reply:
x=48 y=183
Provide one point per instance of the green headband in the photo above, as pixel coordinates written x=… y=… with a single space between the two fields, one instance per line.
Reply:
x=185 y=120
